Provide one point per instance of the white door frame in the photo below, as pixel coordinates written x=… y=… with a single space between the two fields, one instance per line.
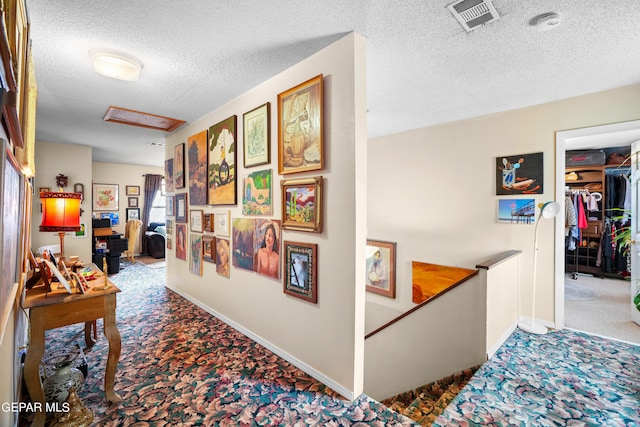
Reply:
x=613 y=135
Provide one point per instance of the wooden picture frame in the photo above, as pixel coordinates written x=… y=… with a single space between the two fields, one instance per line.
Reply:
x=178 y=166
x=301 y=270
x=181 y=207
x=181 y=241
x=168 y=176
x=196 y=220
x=170 y=205
x=300 y=127
x=209 y=249
x=223 y=224
x=132 y=202
x=257 y=136
x=209 y=223
x=132 y=190
x=302 y=204
x=222 y=169
x=381 y=267
x=197 y=166
x=105 y=197
x=133 y=213
x=44 y=189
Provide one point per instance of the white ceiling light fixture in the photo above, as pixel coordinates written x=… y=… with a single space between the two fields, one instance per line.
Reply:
x=547 y=21
x=115 y=64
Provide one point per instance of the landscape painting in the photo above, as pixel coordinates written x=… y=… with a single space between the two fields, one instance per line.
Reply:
x=197 y=155
x=256 y=195
x=242 y=240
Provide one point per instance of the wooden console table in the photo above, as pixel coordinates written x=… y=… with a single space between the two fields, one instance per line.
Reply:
x=59 y=308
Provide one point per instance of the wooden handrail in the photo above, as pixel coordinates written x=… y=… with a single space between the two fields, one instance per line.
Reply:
x=422 y=304
x=498 y=259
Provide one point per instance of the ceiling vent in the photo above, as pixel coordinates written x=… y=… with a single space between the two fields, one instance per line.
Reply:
x=473 y=13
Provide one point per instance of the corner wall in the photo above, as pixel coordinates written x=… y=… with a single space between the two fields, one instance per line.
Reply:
x=442 y=189
x=324 y=339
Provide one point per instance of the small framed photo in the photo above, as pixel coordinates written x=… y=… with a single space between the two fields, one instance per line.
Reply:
x=105 y=197
x=132 y=190
x=209 y=249
x=209 y=222
x=196 y=217
x=300 y=127
x=133 y=202
x=302 y=204
x=301 y=270
x=45 y=189
x=181 y=207
x=82 y=232
x=170 y=205
x=133 y=213
x=257 y=136
x=381 y=268
x=223 y=223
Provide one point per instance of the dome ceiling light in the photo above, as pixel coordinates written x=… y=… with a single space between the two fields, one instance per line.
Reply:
x=115 y=64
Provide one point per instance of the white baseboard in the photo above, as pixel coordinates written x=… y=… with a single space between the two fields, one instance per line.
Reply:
x=286 y=356
x=491 y=351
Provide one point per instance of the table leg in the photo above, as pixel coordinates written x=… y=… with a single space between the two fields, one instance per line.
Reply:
x=113 y=336
x=88 y=326
x=32 y=366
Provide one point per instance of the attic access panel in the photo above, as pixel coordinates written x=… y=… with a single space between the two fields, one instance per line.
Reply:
x=138 y=118
x=474 y=13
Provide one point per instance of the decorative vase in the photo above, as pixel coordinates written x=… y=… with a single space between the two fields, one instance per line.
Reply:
x=56 y=387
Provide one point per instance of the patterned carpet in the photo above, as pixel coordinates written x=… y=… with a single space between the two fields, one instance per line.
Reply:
x=180 y=366
x=563 y=378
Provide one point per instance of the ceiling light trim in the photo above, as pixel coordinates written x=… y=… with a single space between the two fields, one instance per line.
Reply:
x=115 y=64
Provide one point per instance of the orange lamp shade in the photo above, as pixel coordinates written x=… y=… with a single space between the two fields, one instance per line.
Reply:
x=60 y=211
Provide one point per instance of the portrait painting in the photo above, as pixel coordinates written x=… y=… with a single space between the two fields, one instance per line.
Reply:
x=181 y=241
x=256 y=193
x=195 y=258
x=222 y=163
x=519 y=174
x=222 y=257
x=267 y=247
x=178 y=166
x=300 y=276
x=300 y=127
x=242 y=233
x=197 y=155
x=380 y=264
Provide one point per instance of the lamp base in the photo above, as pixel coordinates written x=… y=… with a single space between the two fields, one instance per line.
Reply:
x=532 y=328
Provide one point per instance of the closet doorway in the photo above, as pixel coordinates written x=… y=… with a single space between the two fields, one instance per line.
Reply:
x=590 y=303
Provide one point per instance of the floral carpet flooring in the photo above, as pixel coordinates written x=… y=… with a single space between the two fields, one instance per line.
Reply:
x=180 y=366
x=563 y=378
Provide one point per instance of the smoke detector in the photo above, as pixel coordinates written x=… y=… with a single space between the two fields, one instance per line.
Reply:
x=473 y=13
x=547 y=21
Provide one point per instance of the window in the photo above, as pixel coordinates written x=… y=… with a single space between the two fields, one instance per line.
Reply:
x=158 y=207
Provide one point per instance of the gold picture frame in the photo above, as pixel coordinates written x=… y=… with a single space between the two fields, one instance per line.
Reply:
x=302 y=204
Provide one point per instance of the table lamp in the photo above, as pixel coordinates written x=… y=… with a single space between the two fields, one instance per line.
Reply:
x=61 y=213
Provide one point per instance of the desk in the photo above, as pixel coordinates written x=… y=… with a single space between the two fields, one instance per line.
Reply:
x=59 y=308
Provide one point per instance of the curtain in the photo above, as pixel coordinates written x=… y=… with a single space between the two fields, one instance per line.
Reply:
x=152 y=184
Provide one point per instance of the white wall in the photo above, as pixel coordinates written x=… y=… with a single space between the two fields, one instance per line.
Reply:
x=327 y=338
x=73 y=161
x=434 y=192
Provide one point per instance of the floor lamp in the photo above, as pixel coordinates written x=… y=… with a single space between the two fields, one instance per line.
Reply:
x=547 y=210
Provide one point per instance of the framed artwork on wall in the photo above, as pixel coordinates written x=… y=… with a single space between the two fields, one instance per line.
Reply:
x=257 y=194
x=132 y=190
x=223 y=223
x=222 y=257
x=209 y=249
x=181 y=207
x=519 y=174
x=133 y=202
x=302 y=204
x=197 y=161
x=178 y=166
x=168 y=176
x=133 y=213
x=195 y=254
x=170 y=205
x=300 y=127
x=222 y=163
x=196 y=220
x=267 y=247
x=209 y=222
x=381 y=268
x=257 y=136
x=301 y=267
x=181 y=241
x=105 y=197
x=242 y=235
x=516 y=211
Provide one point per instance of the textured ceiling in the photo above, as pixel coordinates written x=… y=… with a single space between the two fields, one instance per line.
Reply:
x=423 y=68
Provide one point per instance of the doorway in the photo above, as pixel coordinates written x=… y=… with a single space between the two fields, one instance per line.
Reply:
x=597 y=137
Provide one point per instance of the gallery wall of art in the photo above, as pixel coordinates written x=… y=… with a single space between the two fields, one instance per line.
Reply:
x=267 y=219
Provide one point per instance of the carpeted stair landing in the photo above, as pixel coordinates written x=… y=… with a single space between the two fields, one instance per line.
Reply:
x=424 y=404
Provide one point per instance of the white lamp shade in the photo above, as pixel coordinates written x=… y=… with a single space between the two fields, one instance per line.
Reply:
x=549 y=209
x=115 y=64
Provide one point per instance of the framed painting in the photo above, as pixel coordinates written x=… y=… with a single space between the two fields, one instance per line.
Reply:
x=133 y=213
x=222 y=257
x=209 y=249
x=222 y=163
x=181 y=207
x=195 y=254
x=80 y=233
x=196 y=219
x=132 y=190
x=300 y=127
x=266 y=247
x=256 y=193
x=301 y=270
x=242 y=234
x=257 y=136
x=223 y=221
x=169 y=226
x=381 y=268
x=113 y=217
x=105 y=197
x=168 y=176
x=520 y=174
x=178 y=166
x=209 y=222
x=516 y=211
x=197 y=155
x=170 y=206
x=302 y=204
x=133 y=202
x=181 y=241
